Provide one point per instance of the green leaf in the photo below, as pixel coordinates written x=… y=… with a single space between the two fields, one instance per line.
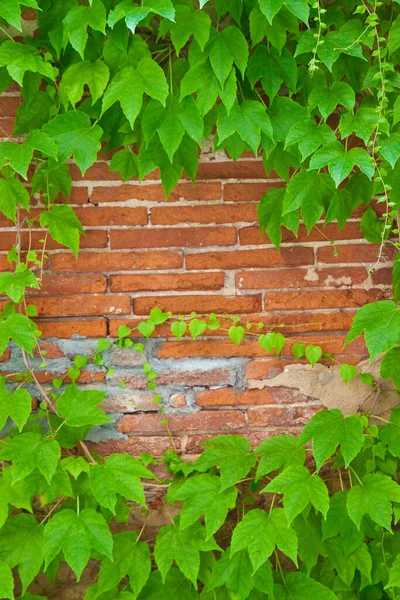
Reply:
x=363 y=123
x=390 y=148
x=394 y=575
x=75 y=466
x=75 y=135
x=121 y=475
x=133 y=14
x=302 y=587
x=201 y=495
x=80 y=407
x=20 y=58
x=228 y=47
x=269 y=212
x=273 y=69
x=311 y=192
x=394 y=36
x=390 y=366
x=249 y=119
x=16 y=406
x=284 y=113
x=300 y=489
x=327 y=98
x=309 y=136
x=390 y=434
x=347 y=372
x=178 y=329
x=236 y=334
x=272 y=342
x=380 y=324
x=329 y=429
x=298 y=7
x=231 y=454
x=130 y=558
x=175 y=584
x=12 y=194
x=14 y=284
x=94 y=75
x=373 y=497
x=10 y=11
x=21 y=544
x=183 y=547
x=371 y=226
x=124 y=162
x=189 y=23
x=29 y=451
x=235 y=572
x=6 y=581
x=197 y=327
x=148 y=78
x=272 y=530
x=21 y=330
x=279 y=452
x=338 y=523
x=64 y=226
x=75 y=535
x=313 y=354
x=78 y=19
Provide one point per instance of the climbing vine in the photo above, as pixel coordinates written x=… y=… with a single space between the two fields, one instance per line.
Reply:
x=311 y=87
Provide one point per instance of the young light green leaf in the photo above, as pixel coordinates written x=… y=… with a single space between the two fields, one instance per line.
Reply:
x=29 y=451
x=81 y=407
x=20 y=329
x=347 y=372
x=16 y=406
x=313 y=354
x=95 y=75
x=380 y=324
x=329 y=429
x=272 y=342
x=6 y=581
x=20 y=58
x=300 y=489
x=279 y=452
x=12 y=194
x=197 y=327
x=236 y=334
x=66 y=527
x=14 y=284
x=64 y=226
x=178 y=329
x=77 y=21
x=125 y=162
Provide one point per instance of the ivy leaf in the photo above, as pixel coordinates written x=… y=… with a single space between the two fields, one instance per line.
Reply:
x=390 y=433
x=228 y=46
x=249 y=119
x=80 y=407
x=21 y=544
x=363 y=123
x=348 y=372
x=329 y=429
x=75 y=466
x=338 y=523
x=284 y=113
x=279 y=452
x=148 y=78
x=16 y=406
x=299 y=8
x=78 y=19
x=133 y=14
x=302 y=587
x=340 y=163
x=175 y=582
x=235 y=572
x=236 y=334
x=231 y=454
x=130 y=558
x=20 y=329
x=394 y=36
x=390 y=366
x=313 y=354
x=20 y=58
x=124 y=162
x=273 y=69
x=29 y=451
x=6 y=581
x=341 y=207
x=74 y=535
x=64 y=226
x=120 y=474
x=272 y=530
x=309 y=136
x=300 y=489
x=75 y=135
x=310 y=191
x=95 y=75
x=12 y=193
x=189 y=23
x=269 y=212
x=182 y=546
x=390 y=148
x=14 y=284
x=327 y=98
x=371 y=226
x=380 y=324
x=272 y=342
x=10 y=11
x=178 y=329
x=201 y=495
x=373 y=497
x=52 y=178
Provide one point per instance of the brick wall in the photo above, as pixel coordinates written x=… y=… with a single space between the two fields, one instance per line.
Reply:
x=200 y=251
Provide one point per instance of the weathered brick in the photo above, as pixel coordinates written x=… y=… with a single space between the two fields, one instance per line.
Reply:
x=170 y=237
x=5 y=356
x=50 y=349
x=200 y=304
x=220 y=213
x=177 y=400
x=241 y=169
x=239 y=259
x=155 y=192
x=305 y=300
x=89 y=262
x=65 y=284
x=250 y=236
x=160 y=282
x=84 y=306
x=107 y=216
x=9 y=105
x=204 y=420
x=352 y=253
x=301 y=278
x=278 y=417
x=64 y=329
x=383 y=276
x=248 y=192
x=234 y=397
x=129 y=402
x=91 y=239
x=155 y=445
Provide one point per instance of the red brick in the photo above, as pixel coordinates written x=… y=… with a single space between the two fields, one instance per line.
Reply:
x=170 y=237
x=239 y=259
x=383 y=276
x=250 y=236
x=89 y=262
x=154 y=445
x=64 y=284
x=84 y=306
x=272 y=367
x=79 y=195
x=353 y=253
x=241 y=169
x=216 y=213
x=304 y=322
x=248 y=192
x=95 y=216
x=276 y=417
x=50 y=349
x=300 y=278
x=155 y=192
x=29 y=14
x=213 y=420
x=300 y=300
x=201 y=304
x=177 y=400
x=9 y=105
x=64 y=329
x=84 y=377
x=167 y=282
x=5 y=356
x=6 y=125
x=233 y=397
x=91 y=239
